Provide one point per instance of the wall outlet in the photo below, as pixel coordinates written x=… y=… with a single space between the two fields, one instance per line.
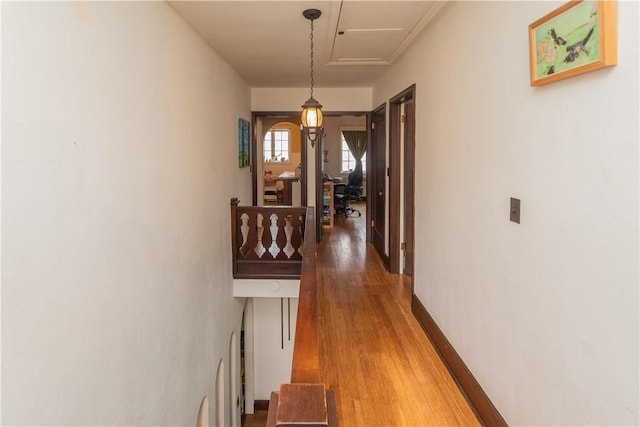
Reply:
x=514 y=210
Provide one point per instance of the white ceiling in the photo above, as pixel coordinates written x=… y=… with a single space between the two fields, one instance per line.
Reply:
x=267 y=42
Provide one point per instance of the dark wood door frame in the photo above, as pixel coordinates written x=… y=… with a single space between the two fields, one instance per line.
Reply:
x=294 y=117
x=320 y=164
x=369 y=178
x=285 y=116
x=395 y=159
x=409 y=186
x=376 y=181
x=253 y=159
x=318 y=147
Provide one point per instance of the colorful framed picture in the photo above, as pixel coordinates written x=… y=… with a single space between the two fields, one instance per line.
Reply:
x=243 y=142
x=578 y=37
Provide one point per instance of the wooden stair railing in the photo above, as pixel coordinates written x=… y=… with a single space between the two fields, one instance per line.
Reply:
x=267 y=241
x=280 y=242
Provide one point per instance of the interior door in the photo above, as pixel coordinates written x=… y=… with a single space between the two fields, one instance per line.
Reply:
x=378 y=195
x=409 y=186
x=401 y=180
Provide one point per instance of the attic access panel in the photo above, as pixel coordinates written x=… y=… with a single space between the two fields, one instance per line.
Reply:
x=375 y=33
x=367 y=45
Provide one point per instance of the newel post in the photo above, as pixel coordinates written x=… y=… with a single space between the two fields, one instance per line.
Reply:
x=234 y=234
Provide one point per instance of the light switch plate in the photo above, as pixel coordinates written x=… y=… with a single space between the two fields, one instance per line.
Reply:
x=514 y=210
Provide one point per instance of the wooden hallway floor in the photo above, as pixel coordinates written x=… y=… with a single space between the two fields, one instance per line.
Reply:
x=374 y=355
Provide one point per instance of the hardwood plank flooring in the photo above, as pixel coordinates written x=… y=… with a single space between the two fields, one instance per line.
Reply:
x=373 y=353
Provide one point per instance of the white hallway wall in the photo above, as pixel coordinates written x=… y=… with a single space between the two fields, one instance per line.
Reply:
x=291 y=99
x=545 y=314
x=274 y=337
x=119 y=153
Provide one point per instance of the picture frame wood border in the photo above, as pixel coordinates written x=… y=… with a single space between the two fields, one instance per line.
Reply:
x=244 y=131
x=607 y=42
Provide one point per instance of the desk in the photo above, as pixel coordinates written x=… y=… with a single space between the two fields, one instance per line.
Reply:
x=288 y=178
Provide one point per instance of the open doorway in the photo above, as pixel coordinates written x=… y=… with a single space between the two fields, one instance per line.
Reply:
x=343 y=165
x=402 y=182
x=338 y=161
x=324 y=160
x=278 y=163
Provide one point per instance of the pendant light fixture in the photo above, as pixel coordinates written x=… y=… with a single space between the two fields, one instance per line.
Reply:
x=311 y=110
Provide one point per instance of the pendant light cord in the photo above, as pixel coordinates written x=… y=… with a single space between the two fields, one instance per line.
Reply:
x=311 y=58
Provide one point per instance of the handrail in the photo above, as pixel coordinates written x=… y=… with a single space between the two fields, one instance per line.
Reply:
x=306 y=349
x=306 y=400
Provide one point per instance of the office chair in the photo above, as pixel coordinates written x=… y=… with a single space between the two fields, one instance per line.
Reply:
x=344 y=194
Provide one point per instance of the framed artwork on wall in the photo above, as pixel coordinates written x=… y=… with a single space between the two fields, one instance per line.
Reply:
x=243 y=143
x=577 y=37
